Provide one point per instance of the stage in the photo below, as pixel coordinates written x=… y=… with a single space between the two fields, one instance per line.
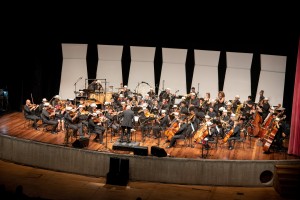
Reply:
x=182 y=165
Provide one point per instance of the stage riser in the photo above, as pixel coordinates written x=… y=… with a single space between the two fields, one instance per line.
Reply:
x=141 y=168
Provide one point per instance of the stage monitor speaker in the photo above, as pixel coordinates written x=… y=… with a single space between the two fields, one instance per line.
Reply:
x=157 y=151
x=81 y=143
x=140 y=150
x=118 y=172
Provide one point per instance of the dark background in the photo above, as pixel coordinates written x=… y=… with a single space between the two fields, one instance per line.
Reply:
x=33 y=56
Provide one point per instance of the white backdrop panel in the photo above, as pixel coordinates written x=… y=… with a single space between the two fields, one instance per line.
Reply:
x=207 y=58
x=173 y=73
x=109 y=65
x=73 y=67
x=174 y=55
x=72 y=70
x=272 y=78
x=239 y=60
x=273 y=63
x=77 y=51
x=141 y=69
x=237 y=79
x=206 y=72
x=110 y=52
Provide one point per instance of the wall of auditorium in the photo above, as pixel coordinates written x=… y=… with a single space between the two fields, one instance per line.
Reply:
x=141 y=168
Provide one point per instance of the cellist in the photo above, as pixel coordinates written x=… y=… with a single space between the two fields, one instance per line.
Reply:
x=235 y=134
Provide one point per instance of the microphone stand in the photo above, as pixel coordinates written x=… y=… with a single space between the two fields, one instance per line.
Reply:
x=75 y=88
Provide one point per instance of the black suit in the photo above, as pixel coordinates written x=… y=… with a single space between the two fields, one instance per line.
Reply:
x=127 y=123
x=30 y=115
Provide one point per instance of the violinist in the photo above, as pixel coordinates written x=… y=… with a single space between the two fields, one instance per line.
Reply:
x=96 y=126
x=69 y=124
x=161 y=124
x=59 y=115
x=47 y=114
x=29 y=110
x=81 y=118
x=112 y=121
x=144 y=118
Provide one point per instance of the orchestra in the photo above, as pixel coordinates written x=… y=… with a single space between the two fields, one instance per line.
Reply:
x=194 y=117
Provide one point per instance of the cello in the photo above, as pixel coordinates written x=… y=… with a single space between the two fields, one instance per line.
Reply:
x=270 y=136
x=201 y=134
x=174 y=127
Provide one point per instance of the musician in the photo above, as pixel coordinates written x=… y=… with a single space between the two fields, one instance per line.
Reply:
x=145 y=117
x=96 y=126
x=40 y=108
x=161 y=124
x=193 y=123
x=95 y=86
x=193 y=90
x=265 y=108
x=55 y=100
x=47 y=115
x=112 y=122
x=235 y=135
x=69 y=123
x=235 y=103
x=183 y=110
x=282 y=133
x=211 y=112
x=194 y=101
x=151 y=93
x=180 y=134
x=124 y=91
x=59 y=115
x=128 y=117
x=29 y=113
x=261 y=97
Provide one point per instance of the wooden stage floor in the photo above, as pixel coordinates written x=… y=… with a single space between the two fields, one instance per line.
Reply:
x=14 y=124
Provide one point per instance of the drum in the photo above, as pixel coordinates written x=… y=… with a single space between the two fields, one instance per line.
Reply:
x=108 y=96
x=143 y=89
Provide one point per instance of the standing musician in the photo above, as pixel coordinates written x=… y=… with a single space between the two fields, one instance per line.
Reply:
x=47 y=117
x=95 y=86
x=151 y=93
x=235 y=135
x=265 y=108
x=161 y=124
x=29 y=110
x=261 y=97
x=96 y=126
x=127 y=123
x=235 y=103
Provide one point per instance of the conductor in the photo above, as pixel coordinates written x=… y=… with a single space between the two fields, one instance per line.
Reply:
x=128 y=116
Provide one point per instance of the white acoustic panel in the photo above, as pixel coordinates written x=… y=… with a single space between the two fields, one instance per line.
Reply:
x=74 y=70
x=141 y=74
x=206 y=72
x=272 y=78
x=110 y=65
x=237 y=78
x=76 y=51
x=173 y=74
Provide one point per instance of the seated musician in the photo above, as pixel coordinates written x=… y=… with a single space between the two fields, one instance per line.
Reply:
x=145 y=121
x=193 y=122
x=235 y=134
x=281 y=134
x=29 y=113
x=59 y=115
x=96 y=126
x=212 y=113
x=48 y=117
x=180 y=134
x=160 y=124
x=112 y=122
x=194 y=101
x=69 y=117
x=81 y=118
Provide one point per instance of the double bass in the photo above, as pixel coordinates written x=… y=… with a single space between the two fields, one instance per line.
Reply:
x=257 y=120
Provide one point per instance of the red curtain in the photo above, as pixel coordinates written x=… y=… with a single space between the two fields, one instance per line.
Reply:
x=294 y=142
